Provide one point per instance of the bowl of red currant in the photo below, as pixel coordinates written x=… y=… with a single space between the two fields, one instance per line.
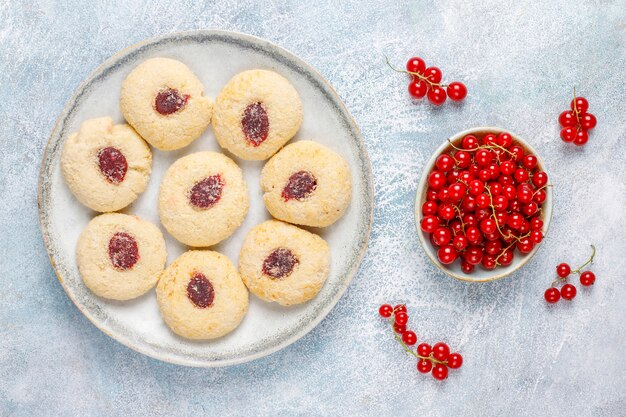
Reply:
x=483 y=204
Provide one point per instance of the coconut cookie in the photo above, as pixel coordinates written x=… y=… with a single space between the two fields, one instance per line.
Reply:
x=164 y=101
x=283 y=263
x=201 y=295
x=203 y=198
x=106 y=166
x=120 y=256
x=306 y=183
x=256 y=113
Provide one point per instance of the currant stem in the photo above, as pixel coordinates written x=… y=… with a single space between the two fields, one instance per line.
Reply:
x=408 y=349
x=415 y=74
x=589 y=261
x=492 y=146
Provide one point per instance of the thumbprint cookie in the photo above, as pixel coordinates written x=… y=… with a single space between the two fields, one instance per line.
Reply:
x=164 y=101
x=307 y=184
x=201 y=295
x=119 y=256
x=106 y=166
x=203 y=198
x=256 y=113
x=283 y=263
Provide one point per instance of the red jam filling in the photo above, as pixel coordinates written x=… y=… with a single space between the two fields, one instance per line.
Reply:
x=207 y=193
x=200 y=290
x=255 y=124
x=280 y=263
x=123 y=251
x=112 y=164
x=299 y=186
x=169 y=101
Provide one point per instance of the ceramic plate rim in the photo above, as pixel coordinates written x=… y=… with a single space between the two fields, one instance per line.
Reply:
x=127 y=340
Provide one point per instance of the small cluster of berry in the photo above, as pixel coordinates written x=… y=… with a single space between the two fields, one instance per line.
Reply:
x=426 y=82
x=568 y=291
x=576 y=122
x=483 y=201
x=436 y=359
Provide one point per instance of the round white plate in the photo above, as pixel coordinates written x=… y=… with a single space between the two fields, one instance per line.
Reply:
x=214 y=56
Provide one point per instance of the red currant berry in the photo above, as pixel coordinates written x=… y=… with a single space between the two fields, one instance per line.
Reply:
x=385 y=310
x=455 y=360
x=429 y=223
x=500 y=203
x=431 y=195
x=536 y=223
x=473 y=255
x=460 y=242
x=568 y=292
x=424 y=349
x=530 y=209
x=418 y=88
x=440 y=372
x=446 y=254
x=552 y=295
x=506 y=258
x=442 y=236
x=399 y=328
x=483 y=157
x=456 y=226
x=488 y=262
x=424 y=366
x=581 y=138
x=507 y=167
x=540 y=196
x=399 y=308
x=436 y=95
x=568 y=134
x=446 y=212
x=429 y=207
x=433 y=74
x=518 y=152
x=488 y=226
x=504 y=139
x=476 y=187
x=444 y=162
x=536 y=236
x=467 y=267
x=440 y=351
x=521 y=175
x=540 y=179
x=470 y=142
x=563 y=270
x=525 y=245
x=567 y=119
x=443 y=195
x=456 y=91
x=469 y=204
x=457 y=191
x=437 y=180
x=401 y=318
x=416 y=64
x=587 y=278
x=463 y=159
x=580 y=104
x=588 y=121
x=529 y=161
x=473 y=234
x=409 y=338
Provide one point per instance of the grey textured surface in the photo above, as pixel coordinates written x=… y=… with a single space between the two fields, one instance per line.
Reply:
x=519 y=60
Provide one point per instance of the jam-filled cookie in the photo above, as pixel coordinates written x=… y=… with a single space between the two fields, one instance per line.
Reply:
x=306 y=183
x=256 y=113
x=283 y=263
x=203 y=198
x=106 y=166
x=201 y=295
x=164 y=101
x=120 y=256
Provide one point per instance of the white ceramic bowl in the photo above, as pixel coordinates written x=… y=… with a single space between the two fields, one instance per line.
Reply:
x=479 y=274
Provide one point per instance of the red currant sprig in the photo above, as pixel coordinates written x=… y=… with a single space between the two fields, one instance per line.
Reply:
x=568 y=291
x=427 y=82
x=576 y=122
x=436 y=359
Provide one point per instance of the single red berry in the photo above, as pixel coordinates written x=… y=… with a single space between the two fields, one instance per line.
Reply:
x=429 y=208
x=536 y=223
x=536 y=236
x=424 y=349
x=463 y=159
x=409 y=338
x=529 y=161
x=506 y=258
x=433 y=74
x=540 y=196
x=401 y=318
x=467 y=267
x=399 y=308
x=440 y=372
x=446 y=254
x=385 y=310
x=588 y=121
x=445 y=163
x=424 y=366
x=437 y=180
x=552 y=295
x=460 y=242
x=418 y=88
x=521 y=175
x=416 y=64
x=440 y=351
x=581 y=138
x=525 y=245
x=568 y=291
x=581 y=104
x=504 y=139
x=399 y=328
x=457 y=91
x=455 y=360
x=507 y=167
x=568 y=134
x=540 y=179
x=563 y=270
x=587 y=278
x=429 y=223
x=567 y=119
x=436 y=95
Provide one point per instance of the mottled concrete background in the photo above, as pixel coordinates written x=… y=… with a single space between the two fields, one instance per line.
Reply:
x=519 y=59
